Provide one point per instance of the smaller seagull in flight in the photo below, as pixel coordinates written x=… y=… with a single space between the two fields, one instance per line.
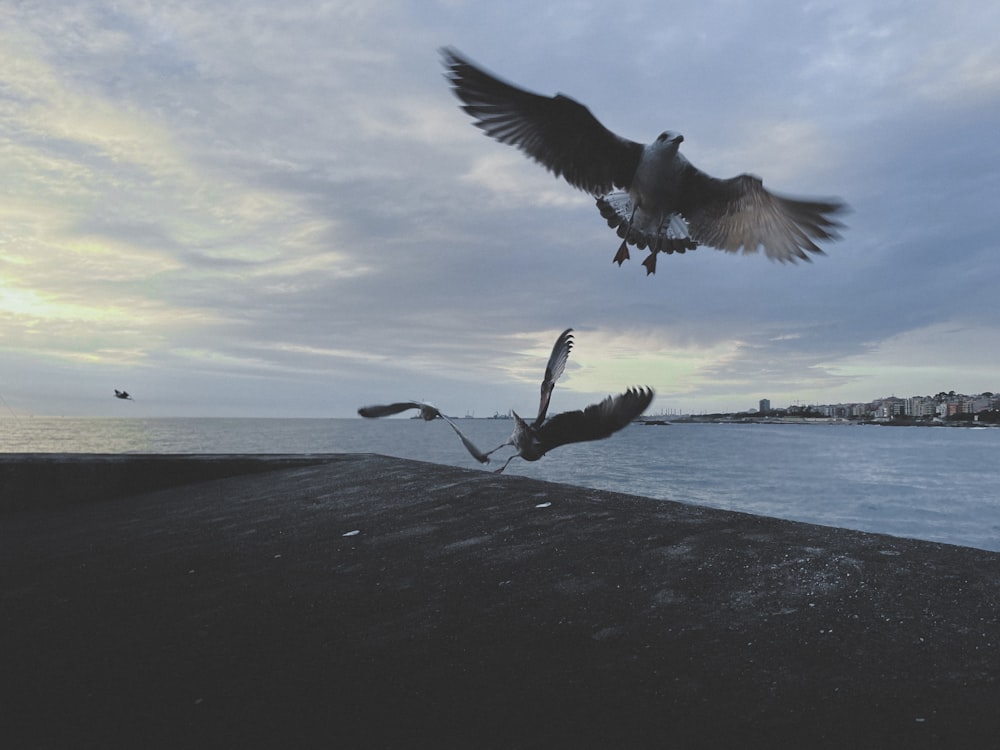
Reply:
x=534 y=440
x=663 y=202
x=597 y=421
x=123 y=395
x=428 y=412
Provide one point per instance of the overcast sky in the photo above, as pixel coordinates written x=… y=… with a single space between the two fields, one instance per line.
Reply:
x=277 y=209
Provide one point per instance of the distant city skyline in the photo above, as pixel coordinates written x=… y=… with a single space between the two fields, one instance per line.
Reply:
x=974 y=402
x=943 y=403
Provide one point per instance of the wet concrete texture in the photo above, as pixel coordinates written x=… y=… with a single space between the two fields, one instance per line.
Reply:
x=365 y=601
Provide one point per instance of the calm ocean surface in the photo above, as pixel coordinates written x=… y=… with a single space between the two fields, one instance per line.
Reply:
x=940 y=484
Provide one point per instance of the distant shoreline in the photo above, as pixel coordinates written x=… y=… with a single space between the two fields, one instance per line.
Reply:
x=831 y=421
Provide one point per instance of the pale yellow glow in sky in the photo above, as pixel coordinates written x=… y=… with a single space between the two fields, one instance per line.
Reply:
x=603 y=361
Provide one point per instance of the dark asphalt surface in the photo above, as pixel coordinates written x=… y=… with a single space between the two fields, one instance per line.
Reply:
x=356 y=601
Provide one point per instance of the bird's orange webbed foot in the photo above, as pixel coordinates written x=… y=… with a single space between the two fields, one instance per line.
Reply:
x=622 y=255
x=650 y=264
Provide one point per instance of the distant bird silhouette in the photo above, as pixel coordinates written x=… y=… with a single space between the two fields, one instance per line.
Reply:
x=123 y=395
x=597 y=421
x=428 y=412
x=667 y=205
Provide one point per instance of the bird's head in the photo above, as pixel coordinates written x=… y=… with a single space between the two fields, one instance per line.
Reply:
x=667 y=143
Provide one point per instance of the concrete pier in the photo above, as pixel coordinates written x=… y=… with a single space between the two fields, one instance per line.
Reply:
x=359 y=601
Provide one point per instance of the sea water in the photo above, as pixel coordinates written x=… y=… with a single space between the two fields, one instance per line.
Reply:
x=934 y=483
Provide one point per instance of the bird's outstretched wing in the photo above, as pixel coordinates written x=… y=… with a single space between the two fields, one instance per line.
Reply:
x=556 y=131
x=595 y=422
x=553 y=371
x=428 y=412
x=739 y=213
x=469 y=445
x=385 y=410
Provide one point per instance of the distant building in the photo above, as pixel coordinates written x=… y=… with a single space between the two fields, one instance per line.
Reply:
x=981 y=404
x=959 y=407
x=765 y=406
x=921 y=407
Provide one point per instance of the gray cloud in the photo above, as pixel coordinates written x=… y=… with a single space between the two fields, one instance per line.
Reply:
x=259 y=209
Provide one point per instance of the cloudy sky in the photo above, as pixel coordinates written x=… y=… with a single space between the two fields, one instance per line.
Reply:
x=277 y=209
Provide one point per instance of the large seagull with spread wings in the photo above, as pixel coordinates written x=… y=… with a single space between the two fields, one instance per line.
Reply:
x=651 y=194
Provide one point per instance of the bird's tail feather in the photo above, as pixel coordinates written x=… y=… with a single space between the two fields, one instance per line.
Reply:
x=669 y=237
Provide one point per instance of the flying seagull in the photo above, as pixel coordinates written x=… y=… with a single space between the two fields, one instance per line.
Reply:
x=664 y=203
x=123 y=395
x=597 y=421
x=428 y=412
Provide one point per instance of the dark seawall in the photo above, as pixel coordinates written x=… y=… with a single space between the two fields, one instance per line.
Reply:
x=354 y=601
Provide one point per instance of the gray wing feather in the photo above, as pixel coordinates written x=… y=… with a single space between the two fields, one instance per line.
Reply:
x=385 y=410
x=740 y=213
x=428 y=412
x=553 y=371
x=469 y=445
x=556 y=131
x=597 y=421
